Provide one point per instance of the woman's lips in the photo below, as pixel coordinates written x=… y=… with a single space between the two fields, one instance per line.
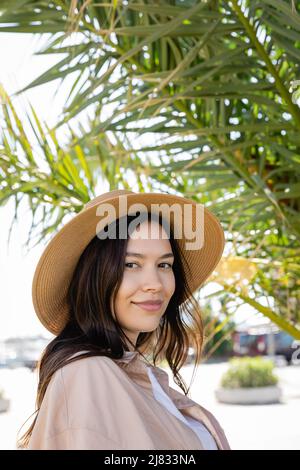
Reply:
x=149 y=307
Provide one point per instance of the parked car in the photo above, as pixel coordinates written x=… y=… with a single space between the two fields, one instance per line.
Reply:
x=254 y=344
x=285 y=345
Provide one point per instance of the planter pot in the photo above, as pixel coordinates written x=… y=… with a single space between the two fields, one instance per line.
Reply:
x=4 y=404
x=249 y=396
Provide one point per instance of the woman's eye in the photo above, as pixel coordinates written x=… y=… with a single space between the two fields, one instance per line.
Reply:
x=126 y=264
x=168 y=264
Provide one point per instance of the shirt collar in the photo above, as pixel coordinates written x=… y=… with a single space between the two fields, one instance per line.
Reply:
x=129 y=356
x=136 y=367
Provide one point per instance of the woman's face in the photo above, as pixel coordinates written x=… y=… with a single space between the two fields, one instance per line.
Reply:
x=148 y=275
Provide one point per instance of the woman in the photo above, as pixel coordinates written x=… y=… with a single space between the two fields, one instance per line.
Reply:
x=113 y=302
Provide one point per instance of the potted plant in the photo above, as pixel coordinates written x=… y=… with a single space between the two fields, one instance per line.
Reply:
x=4 y=402
x=249 y=380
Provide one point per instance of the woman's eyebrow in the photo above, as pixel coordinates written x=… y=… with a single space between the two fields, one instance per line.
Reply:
x=139 y=255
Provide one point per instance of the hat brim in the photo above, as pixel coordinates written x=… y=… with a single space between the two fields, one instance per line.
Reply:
x=57 y=263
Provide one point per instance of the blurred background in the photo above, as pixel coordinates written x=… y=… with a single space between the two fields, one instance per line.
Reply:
x=195 y=98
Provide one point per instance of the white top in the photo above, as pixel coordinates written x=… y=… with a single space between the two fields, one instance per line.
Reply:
x=203 y=434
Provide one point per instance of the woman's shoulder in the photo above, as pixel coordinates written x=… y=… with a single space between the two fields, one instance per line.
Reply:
x=73 y=412
x=85 y=360
x=80 y=362
x=85 y=368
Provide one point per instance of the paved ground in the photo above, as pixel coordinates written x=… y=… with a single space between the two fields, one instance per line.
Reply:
x=274 y=426
x=246 y=427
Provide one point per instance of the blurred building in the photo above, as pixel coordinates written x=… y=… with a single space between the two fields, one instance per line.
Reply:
x=22 y=351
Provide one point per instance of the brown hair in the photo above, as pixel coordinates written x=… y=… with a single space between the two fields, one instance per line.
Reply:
x=93 y=328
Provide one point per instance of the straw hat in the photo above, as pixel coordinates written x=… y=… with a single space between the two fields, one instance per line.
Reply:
x=58 y=261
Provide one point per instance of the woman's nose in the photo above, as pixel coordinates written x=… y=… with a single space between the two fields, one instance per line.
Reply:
x=151 y=280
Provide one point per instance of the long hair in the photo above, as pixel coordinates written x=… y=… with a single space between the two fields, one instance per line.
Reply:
x=93 y=328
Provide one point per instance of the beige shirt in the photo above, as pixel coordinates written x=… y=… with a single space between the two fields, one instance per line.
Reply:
x=102 y=403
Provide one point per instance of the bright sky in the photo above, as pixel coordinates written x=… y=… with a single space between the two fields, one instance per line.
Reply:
x=18 y=68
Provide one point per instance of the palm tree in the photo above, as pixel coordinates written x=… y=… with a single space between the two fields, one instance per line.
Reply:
x=56 y=179
x=209 y=89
